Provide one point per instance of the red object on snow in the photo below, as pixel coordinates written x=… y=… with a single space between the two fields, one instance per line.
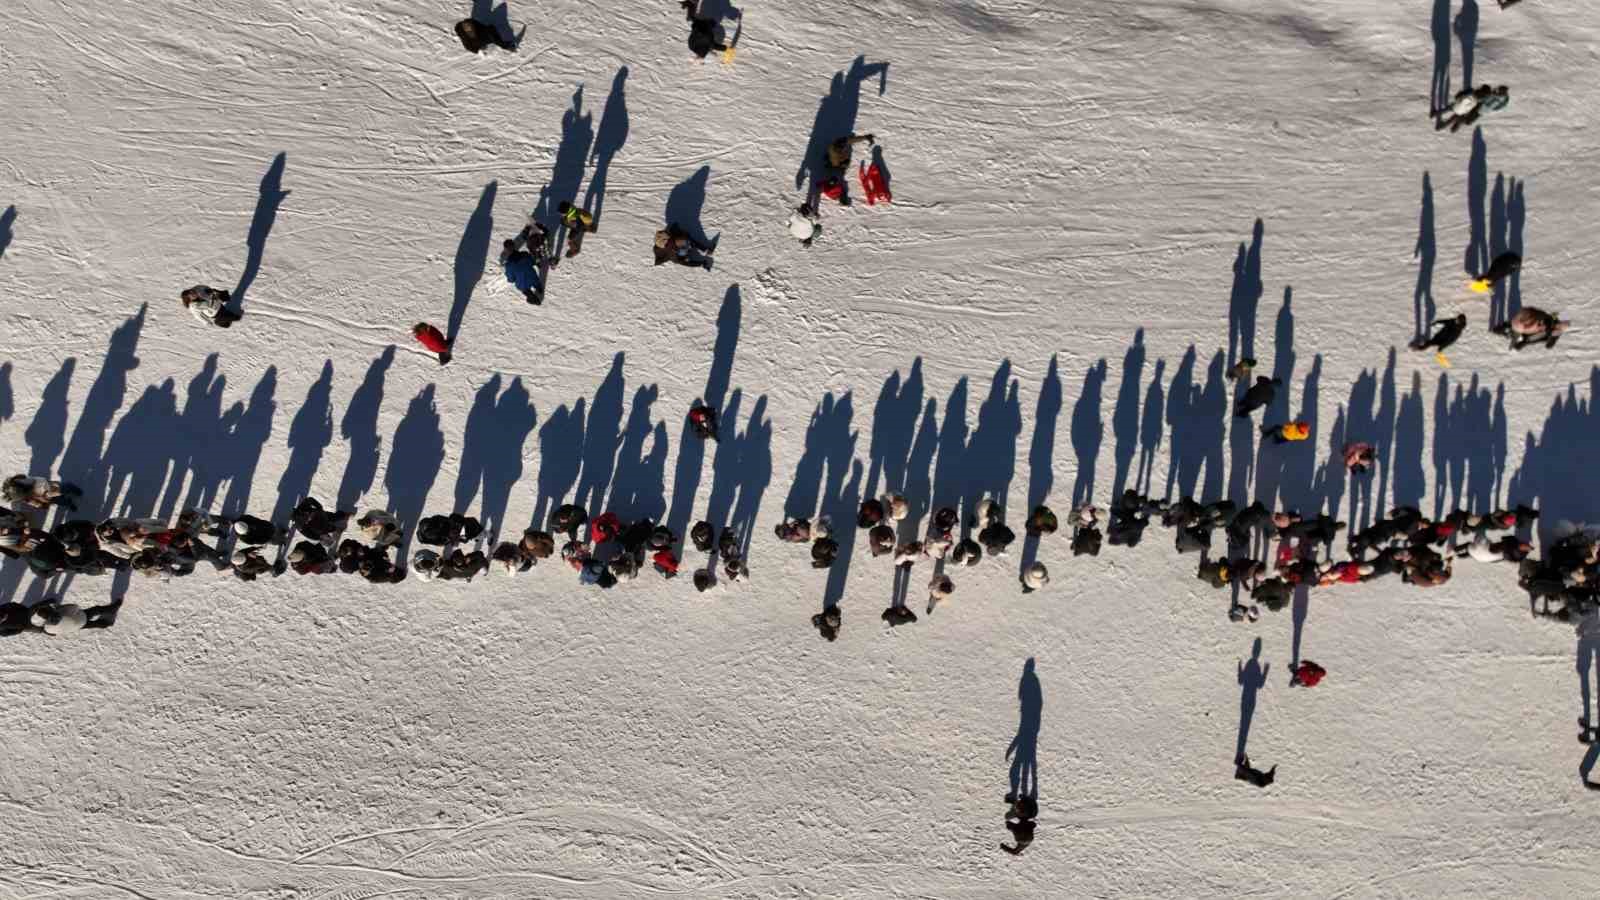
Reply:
x=833 y=188
x=872 y=184
x=1309 y=674
x=604 y=527
x=429 y=337
x=665 y=561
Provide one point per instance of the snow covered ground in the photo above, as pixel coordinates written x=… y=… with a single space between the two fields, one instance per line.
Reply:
x=1098 y=206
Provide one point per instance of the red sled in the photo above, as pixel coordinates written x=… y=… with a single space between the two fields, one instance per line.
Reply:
x=872 y=185
x=832 y=188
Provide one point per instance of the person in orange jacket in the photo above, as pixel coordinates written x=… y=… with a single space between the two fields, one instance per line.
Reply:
x=429 y=337
x=1288 y=432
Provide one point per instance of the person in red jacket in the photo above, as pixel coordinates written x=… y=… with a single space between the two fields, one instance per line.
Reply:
x=665 y=562
x=429 y=337
x=1308 y=674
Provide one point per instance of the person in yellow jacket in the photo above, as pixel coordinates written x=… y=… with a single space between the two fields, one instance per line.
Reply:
x=1288 y=432
x=578 y=223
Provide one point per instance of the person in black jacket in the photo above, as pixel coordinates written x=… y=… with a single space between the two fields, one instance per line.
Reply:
x=703 y=31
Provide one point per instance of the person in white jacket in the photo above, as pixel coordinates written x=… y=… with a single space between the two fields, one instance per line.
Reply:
x=804 y=224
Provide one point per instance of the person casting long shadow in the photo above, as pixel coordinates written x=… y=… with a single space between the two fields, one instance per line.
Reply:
x=1023 y=753
x=1252 y=678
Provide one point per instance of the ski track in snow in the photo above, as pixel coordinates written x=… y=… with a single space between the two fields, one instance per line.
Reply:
x=1073 y=245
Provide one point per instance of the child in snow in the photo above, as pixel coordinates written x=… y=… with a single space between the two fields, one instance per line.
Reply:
x=703 y=32
x=1358 y=457
x=430 y=338
x=1258 y=396
x=475 y=35
x=209 y=305
x=827 y=623
x=703 y=419
x=1532 y=324
x=804 y=224
x=1307 y=674
x=1035 y=578
x=1288 y=432
x=1449 y=332
x=578 y=222
x=1503 y=266
x=1240 y=371
x=522 y=271
x=1469 y=104
x=38 y=493
x=674 y=243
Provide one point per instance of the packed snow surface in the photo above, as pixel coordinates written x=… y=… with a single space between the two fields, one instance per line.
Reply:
x=1097 y=208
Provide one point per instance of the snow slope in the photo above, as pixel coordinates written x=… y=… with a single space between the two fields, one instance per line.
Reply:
x=1098 y=206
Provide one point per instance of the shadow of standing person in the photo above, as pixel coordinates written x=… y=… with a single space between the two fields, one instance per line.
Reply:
x=1252 y=677
x=1024 y=749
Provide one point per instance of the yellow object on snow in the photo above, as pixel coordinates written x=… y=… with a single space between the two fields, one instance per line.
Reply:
x=1481 y=286
x=1296 y=431
x=1442 y=360
x=727 y=56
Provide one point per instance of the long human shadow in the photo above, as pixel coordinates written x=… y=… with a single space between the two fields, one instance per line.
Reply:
x=836 y=117
x=498 y=425
x=1196 y=417
x=139 y=457
x=7 y=401
x=841 y=505
x=472 y=254
x=1469 y=445
x=602 y=437
x=6 y=219
x=1245 y=297
x=1297 y=473
x=685 y=202
x=310 y=433
x=894 y=423
x=1516 y=218
x=918 y=486
x=1439 y=94
x=1271 y=461
x=1409 y=480
x=691 y=449
x=638 y=487
x=1152 y=428
x=1252 y=677
x=200 y=429
x=1088 y=432
x=990 y=455
x=1507 y=215
x=1588 y=629
x=826 y=459
x=1554 y=473
x=269 y=198
x=1466 y=28
x=572 y=154
x=950 y=464
x=560 y=457
x=359 y=429
x=248 y=426
x=829 y=441
x=83 y=462
x=741 y=473
x=608 y=140
x=1041 y=453
x=1426 y=253
x=1476 y=261
x=1125 y=414
x=415 y=457
x=1023 y=751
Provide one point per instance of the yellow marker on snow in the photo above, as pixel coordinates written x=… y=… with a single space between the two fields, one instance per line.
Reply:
x=1442 y=359
x=727 y=56
x=1481 y=286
